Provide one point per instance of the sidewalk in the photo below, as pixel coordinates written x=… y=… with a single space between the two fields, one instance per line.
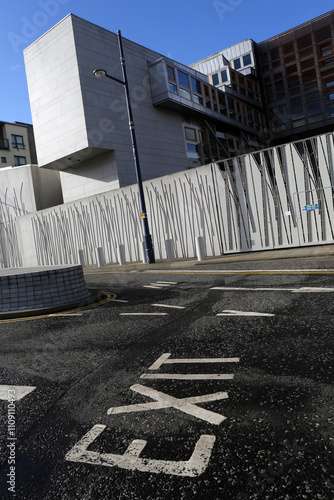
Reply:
x=283 y=253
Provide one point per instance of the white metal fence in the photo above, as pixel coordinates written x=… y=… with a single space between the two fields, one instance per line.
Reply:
x=276 y=198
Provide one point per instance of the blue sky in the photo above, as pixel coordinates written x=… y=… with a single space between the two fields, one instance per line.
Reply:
x=185 y=30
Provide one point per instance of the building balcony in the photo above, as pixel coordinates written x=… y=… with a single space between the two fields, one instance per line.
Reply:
x=179 y=88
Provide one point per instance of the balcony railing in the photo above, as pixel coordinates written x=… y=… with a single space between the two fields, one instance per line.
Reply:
x=4 y=144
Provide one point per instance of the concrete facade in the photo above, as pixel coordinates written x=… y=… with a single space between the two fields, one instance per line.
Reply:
x=81 y=124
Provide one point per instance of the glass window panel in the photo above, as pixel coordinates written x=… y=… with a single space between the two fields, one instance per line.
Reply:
x=297 y=113
x=17 y=142
x=314 y=108
x=206 y=90
x=190 y=134
x=183 y=79
x=185 y=93
x=312 y=96
x=299 y=123
x=215 y=79
x=330 y=111
x=296 y=102
x=288 y=48
x=237 y=63
x=308 y=63
x=172 y=88
x=191 y=148
x=196 y=85
x=224 y=75
x=316 y=118
x=171 y=72
x=247 y=59
x=197 y=99
x=328 y=84
x=325 y=49
x=291 y=69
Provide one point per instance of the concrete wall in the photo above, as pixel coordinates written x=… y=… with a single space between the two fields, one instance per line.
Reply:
x=23 y=189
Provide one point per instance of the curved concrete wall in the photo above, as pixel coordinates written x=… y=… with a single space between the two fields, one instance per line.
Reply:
x=43 y=287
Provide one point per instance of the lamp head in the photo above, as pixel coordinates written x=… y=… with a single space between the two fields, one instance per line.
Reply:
x=99 y=73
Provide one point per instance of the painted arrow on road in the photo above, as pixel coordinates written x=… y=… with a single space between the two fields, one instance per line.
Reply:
x=20 y=391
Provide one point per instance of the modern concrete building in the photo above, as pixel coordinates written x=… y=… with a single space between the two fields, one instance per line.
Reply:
x=242 y=99
x=81 y=124
x=295 y=72
x=17 y=144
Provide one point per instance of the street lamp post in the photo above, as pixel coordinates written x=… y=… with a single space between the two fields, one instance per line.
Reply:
x=148 y=247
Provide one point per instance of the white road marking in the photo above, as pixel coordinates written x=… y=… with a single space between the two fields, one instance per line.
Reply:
x=189 y=376
x=179 y=404
x=159 y=405
x=239 y=271
x=152 y=286
x=164 y=359
x=167 y=282
x=228 y=312
x=20 y=391
x=69 y=314
x=231 y=288
x=293 y=290
x=167 y=305
x=312 y=289
x=118 y=300
x=160 y=285
x=143 y=314
x=131 y=460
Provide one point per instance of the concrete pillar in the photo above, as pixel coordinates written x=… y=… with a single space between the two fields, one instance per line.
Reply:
x=200 y=248
x=121 y=255
x=81 y=257
x=99 y=256
x=170 y=250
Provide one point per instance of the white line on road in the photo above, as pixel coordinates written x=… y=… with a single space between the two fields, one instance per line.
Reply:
x=189 y=376
x=164 y=359
x=119 y=300
x=20 y=391
x=167 y=282
x=228 y=312
x=160 y=285
x=293 y=290
x=168 y=305
x=152 y=286
x=143 y=314
x=231 y=288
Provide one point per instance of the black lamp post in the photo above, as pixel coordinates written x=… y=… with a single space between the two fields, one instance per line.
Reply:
x=149 y=252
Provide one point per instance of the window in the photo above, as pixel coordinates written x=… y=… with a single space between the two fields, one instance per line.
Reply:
x=234 y=76
x=214 y=94
x=196 y=85
x=241 y=80
x=249 y=84
x=172 y=88
x=171 y=73
x=328 y=84
x=201 y=136
x=183 y=79
x=247 y=60
x=190 y=134
x=288 y=48
x=314 y=108
x=237 y=144
x=191 y=148
x=19 y=160
x=185 y=93
x=206 y=90
x=325 y=49
x=215 y=79
x=17 y=142
x=231 y=143
x=3 y=159
x=237 y=63
x=224 y=76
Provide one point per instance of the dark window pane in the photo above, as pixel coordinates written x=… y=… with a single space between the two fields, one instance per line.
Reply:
x=323 y=34
x=224 y=75
x=196 y=85
x=291 y=69
x=237 y=63
x=215 y=79
x=308 y=63
x=171 y=72
x=183 y=79
x=304 y=41
x=313 y=109
x=247 y=59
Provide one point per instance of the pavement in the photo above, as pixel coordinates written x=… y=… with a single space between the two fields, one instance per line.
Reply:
x=258 y=256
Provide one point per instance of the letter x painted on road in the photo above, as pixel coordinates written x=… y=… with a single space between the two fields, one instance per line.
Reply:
x=186 y=405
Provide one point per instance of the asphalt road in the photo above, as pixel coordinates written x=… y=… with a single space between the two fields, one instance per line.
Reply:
x=110 y=417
